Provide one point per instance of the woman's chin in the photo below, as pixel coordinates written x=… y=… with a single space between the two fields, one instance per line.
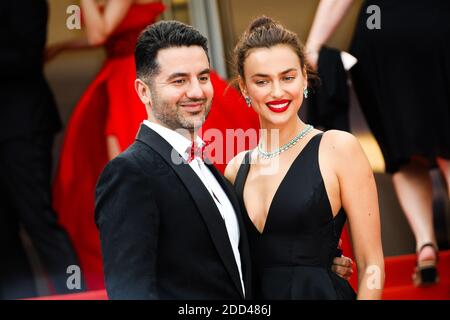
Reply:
x=279 y=119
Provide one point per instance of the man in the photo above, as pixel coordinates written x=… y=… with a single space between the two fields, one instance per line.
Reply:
x=28 y=122
x=170 y=224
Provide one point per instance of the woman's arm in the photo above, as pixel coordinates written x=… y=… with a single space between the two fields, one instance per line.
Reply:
x=55 y=49
x=100 y=24
x=359 y=198
x=328 y=16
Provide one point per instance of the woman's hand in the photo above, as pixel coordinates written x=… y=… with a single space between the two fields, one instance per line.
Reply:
x=312 y=57
x=328 y=16
x=343 y=267
x=100 y=24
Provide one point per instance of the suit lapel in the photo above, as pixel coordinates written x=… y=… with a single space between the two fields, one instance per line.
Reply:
x=201 y=197
x=243 y=242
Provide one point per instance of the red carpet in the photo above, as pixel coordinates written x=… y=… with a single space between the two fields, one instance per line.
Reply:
x=89 y=295
x=398 y=284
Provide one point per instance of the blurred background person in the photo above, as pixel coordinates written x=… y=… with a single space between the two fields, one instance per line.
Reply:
x=28 y=122
x=402 y=83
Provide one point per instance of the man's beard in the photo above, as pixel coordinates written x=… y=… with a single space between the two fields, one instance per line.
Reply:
x=174 y=119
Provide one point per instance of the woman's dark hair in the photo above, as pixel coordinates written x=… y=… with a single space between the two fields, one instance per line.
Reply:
x=162 y=35
x=263 y=32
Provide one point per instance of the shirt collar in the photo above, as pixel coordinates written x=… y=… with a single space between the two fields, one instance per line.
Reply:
x=179 y=142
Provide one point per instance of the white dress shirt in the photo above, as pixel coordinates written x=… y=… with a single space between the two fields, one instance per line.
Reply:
x=182 y=145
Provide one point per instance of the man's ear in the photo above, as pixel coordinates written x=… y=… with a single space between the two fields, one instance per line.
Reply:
x=143 y=92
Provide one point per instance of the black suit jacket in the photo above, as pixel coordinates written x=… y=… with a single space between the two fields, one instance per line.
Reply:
x=161 y=233
x=26 y=102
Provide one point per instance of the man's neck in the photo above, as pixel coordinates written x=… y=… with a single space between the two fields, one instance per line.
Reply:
x=188 y=134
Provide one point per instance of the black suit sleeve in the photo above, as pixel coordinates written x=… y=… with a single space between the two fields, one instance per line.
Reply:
x=128 y=219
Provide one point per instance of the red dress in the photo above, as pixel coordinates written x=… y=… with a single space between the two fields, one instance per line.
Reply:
x=110 y=106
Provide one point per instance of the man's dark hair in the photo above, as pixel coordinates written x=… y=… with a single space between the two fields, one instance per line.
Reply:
x=162 y=35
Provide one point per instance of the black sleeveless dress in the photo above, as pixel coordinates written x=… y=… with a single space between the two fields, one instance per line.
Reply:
x=292 y=258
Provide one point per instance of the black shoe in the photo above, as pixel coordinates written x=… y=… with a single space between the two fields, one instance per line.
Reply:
x=425 y=273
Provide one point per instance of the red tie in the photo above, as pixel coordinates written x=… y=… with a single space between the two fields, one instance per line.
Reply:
x=195 y=151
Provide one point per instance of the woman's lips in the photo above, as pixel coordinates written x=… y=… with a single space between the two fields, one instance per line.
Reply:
x=278 y=106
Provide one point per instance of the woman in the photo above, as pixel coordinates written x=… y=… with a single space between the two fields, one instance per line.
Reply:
x=402 y=83
x=298 y=188
x=106 y=119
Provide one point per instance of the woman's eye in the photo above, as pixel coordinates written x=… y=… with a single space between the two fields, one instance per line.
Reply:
x=289 y=78
x=261 y=82
x=204 y=79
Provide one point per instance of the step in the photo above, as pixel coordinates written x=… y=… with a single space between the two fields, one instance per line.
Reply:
x=441 y=291
x=399 y=269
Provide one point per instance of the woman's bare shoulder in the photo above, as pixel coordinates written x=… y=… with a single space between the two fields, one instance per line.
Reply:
x=341 y=146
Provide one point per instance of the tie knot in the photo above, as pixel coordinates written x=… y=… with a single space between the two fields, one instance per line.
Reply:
x=196 y=151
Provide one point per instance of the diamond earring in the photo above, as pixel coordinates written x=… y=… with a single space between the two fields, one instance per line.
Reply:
x=248 y=101
x=305 y=93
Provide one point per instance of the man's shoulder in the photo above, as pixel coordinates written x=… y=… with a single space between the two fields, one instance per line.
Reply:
x=133 y=158
x=138 y=153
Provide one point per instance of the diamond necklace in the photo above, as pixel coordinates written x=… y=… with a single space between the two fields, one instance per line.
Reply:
x=287 y=146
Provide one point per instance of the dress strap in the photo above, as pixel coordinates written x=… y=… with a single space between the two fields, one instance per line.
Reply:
x=242 y=173
x=316 y=139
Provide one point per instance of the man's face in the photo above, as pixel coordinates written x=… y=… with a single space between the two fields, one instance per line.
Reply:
x=181 y=93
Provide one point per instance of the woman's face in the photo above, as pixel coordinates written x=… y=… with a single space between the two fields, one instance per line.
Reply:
x=274 y=81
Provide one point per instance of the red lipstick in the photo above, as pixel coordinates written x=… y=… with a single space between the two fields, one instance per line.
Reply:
x=278 y=106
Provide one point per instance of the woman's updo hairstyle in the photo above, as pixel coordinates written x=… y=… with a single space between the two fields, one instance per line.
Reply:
x=263 y=32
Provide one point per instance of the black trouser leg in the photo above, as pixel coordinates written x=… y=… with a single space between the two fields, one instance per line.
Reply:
x=26 y=170
x=16 y=277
